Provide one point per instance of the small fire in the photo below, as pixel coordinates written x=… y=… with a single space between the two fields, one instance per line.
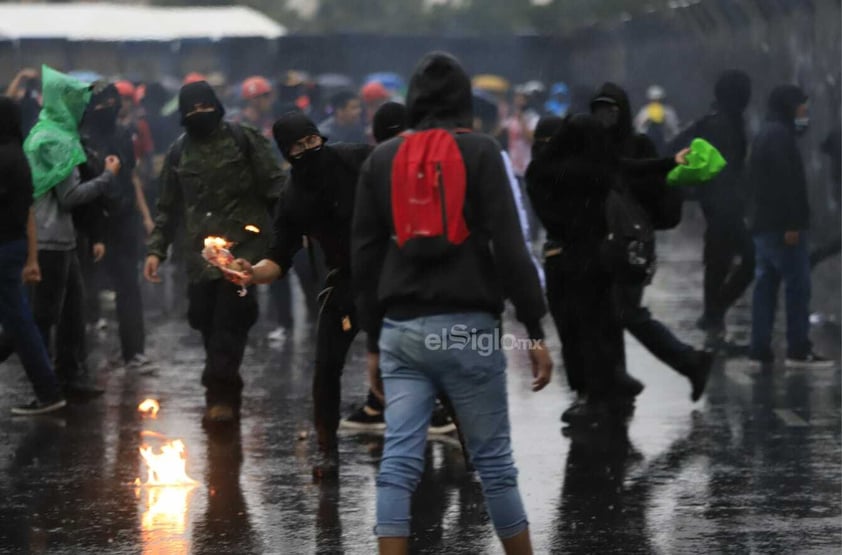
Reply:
x=216 y=243
x=217 y=253
x=167 y=467
x=149 y=407
x=252 y=228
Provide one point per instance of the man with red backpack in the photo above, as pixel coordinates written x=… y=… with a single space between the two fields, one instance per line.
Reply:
x=436 y=247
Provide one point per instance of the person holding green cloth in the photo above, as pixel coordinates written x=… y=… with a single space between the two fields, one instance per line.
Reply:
x=55 y=153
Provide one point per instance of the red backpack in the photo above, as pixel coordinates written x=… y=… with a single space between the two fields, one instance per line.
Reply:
x=428 y=194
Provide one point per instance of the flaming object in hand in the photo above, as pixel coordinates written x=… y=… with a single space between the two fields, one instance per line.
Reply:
x=150 y=408
x=217 y=253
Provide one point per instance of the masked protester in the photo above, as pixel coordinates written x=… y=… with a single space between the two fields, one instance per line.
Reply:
x=780 y=222
x=19 y=259
x=126 y=206
x=55 y=152
x=728 y=250
x=217 y=179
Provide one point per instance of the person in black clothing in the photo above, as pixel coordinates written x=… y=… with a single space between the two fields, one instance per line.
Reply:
x=104 y=137
x=728 y=250
x=780 y=222
x=318 y=202
x=832 y=147
x=389 y=121
x=611 y=107
x=19 y=258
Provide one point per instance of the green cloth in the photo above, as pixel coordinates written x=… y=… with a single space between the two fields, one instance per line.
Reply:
x=704 y=162
x=53 y=147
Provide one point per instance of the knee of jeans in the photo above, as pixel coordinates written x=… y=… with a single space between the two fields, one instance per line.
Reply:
x=498 y=475
x=400 y=472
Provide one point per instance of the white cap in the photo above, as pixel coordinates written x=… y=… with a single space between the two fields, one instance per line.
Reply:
x=655 y=93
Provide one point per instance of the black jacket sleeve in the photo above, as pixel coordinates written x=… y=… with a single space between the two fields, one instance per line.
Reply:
x=287 y=239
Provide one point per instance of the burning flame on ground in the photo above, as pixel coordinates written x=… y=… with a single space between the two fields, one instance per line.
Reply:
x=149 y=407
x=167 y=468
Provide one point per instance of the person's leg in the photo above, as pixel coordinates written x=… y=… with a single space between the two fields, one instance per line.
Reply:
x=475 y=382
x=718 y=257
x=795 y=271
x=71 y=342
x=742 y=274
x=19 y=324
x=765 y=298
x=410 y=396
x=233 y=317
x=121 y=265
x=281 y=295
x=48 y=296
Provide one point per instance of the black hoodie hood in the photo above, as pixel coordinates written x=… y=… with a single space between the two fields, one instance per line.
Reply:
x=610 y=92
x=291 y=127
x=199 y=92
x=10 y=122
x=439 y=94
x=733 y=91
x=784 y=101
x=102 y=123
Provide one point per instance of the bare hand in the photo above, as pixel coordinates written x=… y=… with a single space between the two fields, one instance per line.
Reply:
x=148 y=225
x=112 y=164
x=791 y=238
x=31 y=272
x=150 y=269
x=542 y=366
x=246 y=273
x=98 y=251
x=375 y=382
x=29 y=73
x=681 y=157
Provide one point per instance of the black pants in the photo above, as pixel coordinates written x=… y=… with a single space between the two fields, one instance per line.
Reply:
x=224 y=319
x=121 y=266
x=651 y=333
x=58 y=303
x=729 y=264
x=591 y=336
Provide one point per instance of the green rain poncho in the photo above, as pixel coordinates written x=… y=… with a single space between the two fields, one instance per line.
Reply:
x=704 y=162
x=53 y=147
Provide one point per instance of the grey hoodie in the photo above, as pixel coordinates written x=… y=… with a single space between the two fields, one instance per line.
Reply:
x=53 y=211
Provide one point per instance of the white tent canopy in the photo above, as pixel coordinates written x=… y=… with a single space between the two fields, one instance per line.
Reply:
x=120 y=22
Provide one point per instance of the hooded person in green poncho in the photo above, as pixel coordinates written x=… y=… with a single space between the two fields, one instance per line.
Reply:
x=54 y=152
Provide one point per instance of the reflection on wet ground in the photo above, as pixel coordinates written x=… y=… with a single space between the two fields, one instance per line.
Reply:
x=753 y=468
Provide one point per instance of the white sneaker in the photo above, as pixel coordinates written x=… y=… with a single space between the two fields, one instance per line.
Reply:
x=811 y=360
x=141 y=364
x=101 y=324
x=278 y=335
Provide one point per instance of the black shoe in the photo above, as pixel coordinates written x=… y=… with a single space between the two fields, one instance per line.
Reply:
x=756 y=361
x=699 y=375
x=589 y=412
x=569 y=413
x=82 y=390
x=810 y=360
x=37 y=407
x=628 y=386
x=440 y=422
x=711 y=325
x=362 y=421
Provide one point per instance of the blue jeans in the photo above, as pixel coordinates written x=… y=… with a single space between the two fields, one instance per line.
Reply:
x=19 y=324
x=776 y=261
x=414 y=370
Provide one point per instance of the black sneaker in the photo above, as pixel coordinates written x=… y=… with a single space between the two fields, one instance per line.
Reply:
x=700 y=374
x=362 y=421
x=441 y=423
x=711 y=325
x=810 y=360
x=39 y=407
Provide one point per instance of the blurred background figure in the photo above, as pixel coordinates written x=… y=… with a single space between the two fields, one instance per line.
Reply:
x=657 y=120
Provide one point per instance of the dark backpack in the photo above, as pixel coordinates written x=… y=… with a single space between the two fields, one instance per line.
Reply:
x=428 y=194
x=628 y=250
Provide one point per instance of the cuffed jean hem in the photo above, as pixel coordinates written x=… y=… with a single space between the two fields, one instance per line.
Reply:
x=391 y=531
x=513 y=530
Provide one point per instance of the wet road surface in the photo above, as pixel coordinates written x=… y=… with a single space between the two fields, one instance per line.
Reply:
x=752 y=468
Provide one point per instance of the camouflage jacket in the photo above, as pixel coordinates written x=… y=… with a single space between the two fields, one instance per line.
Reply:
x=217 y=187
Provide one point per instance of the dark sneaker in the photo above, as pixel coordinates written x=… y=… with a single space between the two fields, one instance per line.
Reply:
x=811 y=360
x=441 y=423
x=219 y=414
x=82 y=390
x=39 y=407
x=700 y=374
x=711 y=325
x=570 y=411
x=629 y=386
x=142 y=364
x=363 y=421
x=756 y=361
x=590 y=413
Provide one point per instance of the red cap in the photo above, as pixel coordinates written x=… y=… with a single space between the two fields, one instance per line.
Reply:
x=125 y=88
x=193 y=77
x=254 y=87
x=139 y=94
x=374 y=91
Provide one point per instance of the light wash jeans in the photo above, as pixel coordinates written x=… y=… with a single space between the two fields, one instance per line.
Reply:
x=414 y=369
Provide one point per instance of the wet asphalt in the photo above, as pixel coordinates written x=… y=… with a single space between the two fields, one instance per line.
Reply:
x=754 y=467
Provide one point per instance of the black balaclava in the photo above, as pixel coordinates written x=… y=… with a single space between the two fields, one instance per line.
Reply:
x=615 y=95
x=200 y=125
x=102 y=122
x=546 y=128
x=733 y=92
x=290 y=128
x=389 y=121
x=784 y=102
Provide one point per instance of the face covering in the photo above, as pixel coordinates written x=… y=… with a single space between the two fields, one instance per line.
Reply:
x=200 y=125
x=607 y=117
x=103 y=121
x=801 y=125
x=308 y=162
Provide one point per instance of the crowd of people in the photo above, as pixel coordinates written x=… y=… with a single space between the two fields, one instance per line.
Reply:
x=410 y=213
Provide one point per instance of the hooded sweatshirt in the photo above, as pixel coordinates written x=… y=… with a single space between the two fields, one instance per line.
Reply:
x=15 y=177
x=491 y=265
x=778 y=184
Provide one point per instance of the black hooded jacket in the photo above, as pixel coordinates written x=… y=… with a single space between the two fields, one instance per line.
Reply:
x=779 y=200
x=479 y=274
x=15 y=176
